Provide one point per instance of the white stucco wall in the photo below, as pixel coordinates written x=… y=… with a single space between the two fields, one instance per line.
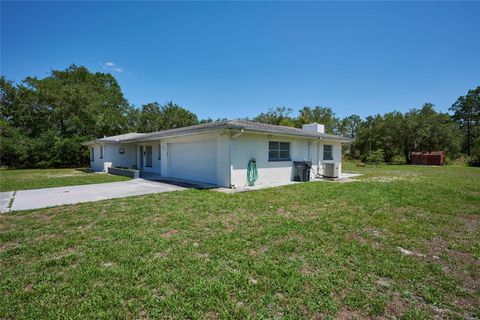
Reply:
x=113 y=155
x=97 y=163
x=336 y=152
x=223 y=160
x=221 y=153
x=249 y=145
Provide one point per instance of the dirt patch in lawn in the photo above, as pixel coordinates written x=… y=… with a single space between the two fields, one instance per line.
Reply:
x=259 y=251
x=168 y=234
x=9 y=246
x=347 y=314
x=460 y=265
x=392 y=178
x=471 y=222
x=43 y=218
x=283 y=213
x=46 y=237
x=367 y=236
x=162 y=254
x=64 y=254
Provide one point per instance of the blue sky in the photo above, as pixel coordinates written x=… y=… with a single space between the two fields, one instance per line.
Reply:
x=237 y=59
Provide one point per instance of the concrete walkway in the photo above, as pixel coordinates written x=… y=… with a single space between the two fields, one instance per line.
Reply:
x=49 y=197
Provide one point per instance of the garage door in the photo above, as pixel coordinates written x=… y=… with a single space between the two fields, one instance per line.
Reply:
x=195 y=161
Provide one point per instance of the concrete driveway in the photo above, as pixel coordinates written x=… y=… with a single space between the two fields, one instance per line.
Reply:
x=49 y=197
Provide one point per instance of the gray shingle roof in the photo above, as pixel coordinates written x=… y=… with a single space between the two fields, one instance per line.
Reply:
x=237 y=124
x=122 y=137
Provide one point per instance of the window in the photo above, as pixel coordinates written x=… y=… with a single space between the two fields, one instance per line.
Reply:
x=159 y=152
x=278 y=151
x=101 y=152
x=327 y=152
x=92 y=154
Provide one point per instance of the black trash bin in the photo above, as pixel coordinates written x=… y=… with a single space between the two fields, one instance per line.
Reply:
x=302 y=170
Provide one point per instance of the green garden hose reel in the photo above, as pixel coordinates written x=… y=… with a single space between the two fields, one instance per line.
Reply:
x=252 y=173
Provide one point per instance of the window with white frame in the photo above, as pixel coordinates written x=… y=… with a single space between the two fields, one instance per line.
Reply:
x=327 y=152
x=92 y=154
x=278 y=151
x=101 y=152
x=159 y=151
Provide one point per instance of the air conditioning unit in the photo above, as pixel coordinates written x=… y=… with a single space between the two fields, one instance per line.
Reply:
x=330 y=170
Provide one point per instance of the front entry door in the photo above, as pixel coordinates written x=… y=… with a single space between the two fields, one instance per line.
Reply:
x=140 y=164
x=148 y=156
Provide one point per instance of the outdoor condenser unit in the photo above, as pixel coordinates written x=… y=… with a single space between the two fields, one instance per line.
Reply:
x=330 y=170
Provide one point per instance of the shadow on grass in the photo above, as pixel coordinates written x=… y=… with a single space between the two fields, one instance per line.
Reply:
x=184 y=183
x=85 y=170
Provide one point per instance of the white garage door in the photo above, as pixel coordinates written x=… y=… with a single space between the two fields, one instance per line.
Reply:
x=195 y=161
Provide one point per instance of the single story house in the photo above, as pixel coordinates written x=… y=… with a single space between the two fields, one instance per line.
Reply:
x=219 y=152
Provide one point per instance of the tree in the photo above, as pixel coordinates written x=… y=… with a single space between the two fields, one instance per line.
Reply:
x=397 y=134
x=466 y=112
x=175 y=116
x=427 y=130
x=45 y=120
x=277 y=116
x=372 y=136
x=321 y=115
x=155 y=117
x=150 y=118
x=8 y=93
x=350 y=127
x=210 y=120
x=392 y=130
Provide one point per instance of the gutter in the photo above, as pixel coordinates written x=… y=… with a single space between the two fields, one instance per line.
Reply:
x=173 y=134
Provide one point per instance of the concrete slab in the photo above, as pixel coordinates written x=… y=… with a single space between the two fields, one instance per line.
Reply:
x=257 y=187
x=49 y=197
x=346 y=177
x=5 y=198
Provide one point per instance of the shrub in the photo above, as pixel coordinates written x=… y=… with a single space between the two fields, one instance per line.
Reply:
x=376 y=157
x=474 y=161
x=398 y=160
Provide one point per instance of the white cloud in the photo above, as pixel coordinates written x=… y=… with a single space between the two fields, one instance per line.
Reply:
x=110 y=66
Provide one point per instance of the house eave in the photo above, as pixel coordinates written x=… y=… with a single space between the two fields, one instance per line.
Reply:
x=227 y=125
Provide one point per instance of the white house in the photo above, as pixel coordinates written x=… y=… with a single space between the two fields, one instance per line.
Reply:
x=219 y=152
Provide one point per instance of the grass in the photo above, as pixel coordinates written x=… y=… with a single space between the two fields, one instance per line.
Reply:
x=22 y=179
x=314 y=250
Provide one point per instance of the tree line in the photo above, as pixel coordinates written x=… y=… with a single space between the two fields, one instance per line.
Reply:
x=44 y=121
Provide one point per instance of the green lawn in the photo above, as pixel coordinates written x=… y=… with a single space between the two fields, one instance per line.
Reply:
x=313 y=250
x=22 y=179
